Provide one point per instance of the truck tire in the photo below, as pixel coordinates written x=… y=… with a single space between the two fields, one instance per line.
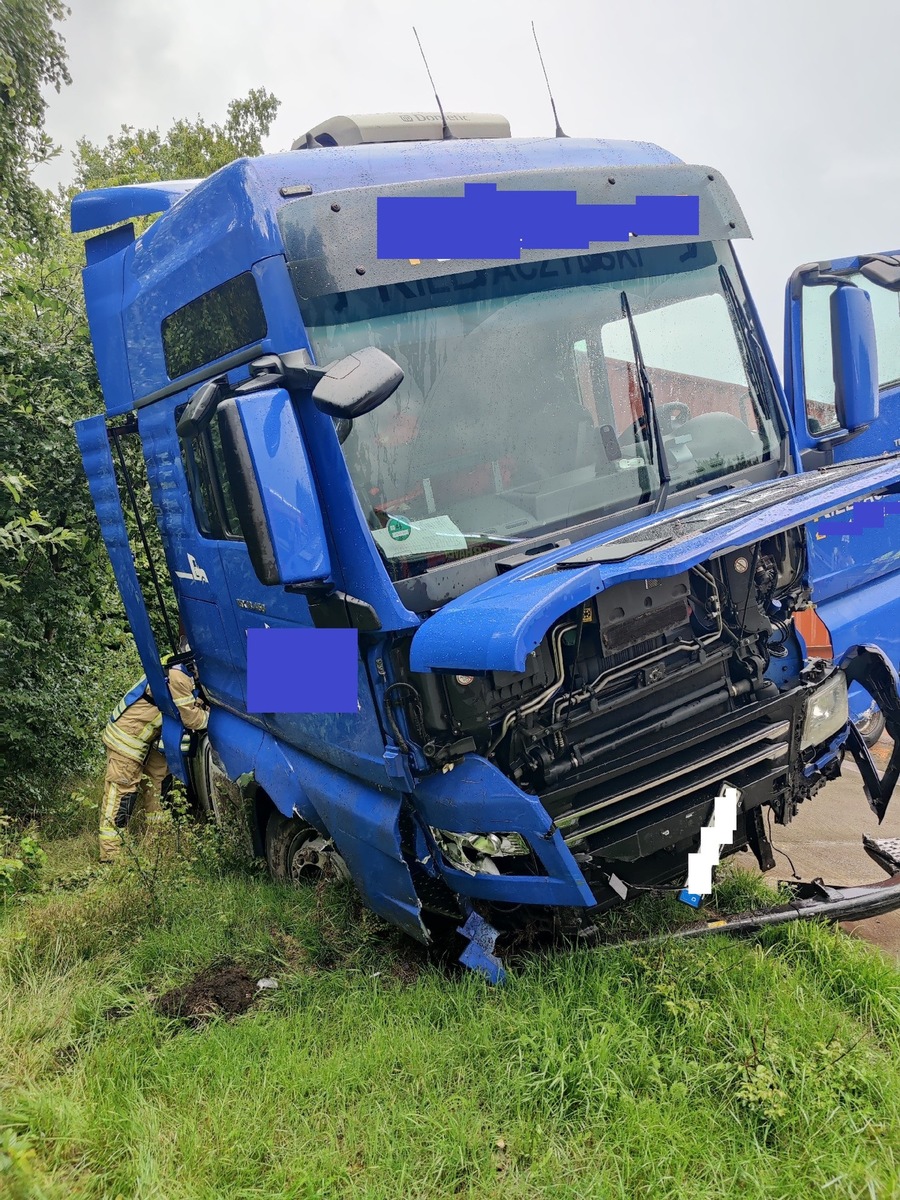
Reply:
x=202 y=770
x=296 y=852
x=871 y=725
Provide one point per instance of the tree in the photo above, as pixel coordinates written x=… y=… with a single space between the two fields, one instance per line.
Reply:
x=32 y=56
x=189 y=150
x=65 y=648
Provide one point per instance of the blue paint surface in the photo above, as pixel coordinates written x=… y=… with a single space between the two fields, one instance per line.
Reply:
x=302 y=670
x=861 y=517
x=363 y=821
x=488 y=223
x=497 y=625
x=476 y=797
x=479 y=954
x=287 y=493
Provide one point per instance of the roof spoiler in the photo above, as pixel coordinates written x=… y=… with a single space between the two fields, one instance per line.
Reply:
x=109 y=206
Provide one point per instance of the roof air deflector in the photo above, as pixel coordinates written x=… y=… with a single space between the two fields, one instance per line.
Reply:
x=371 y=128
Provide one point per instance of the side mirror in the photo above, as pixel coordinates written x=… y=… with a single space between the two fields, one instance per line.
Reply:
x=273 y=489
x=854 y=358
x=356 y=384
x=882 y=269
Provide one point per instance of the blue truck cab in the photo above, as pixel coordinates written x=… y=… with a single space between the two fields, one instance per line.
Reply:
x=570 y=510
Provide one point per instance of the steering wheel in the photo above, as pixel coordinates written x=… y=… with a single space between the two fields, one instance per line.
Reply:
x=672 y=415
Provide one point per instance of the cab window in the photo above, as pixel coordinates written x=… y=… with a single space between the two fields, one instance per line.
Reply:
x=211 y=496
x=821 y=412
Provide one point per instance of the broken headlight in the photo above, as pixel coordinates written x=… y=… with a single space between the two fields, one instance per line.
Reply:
x=827 y=711
x=474 y=852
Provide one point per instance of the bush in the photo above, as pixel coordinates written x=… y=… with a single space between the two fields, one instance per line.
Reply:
x=21 y=859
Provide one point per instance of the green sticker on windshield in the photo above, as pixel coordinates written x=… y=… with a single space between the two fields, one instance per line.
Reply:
x=399 y=530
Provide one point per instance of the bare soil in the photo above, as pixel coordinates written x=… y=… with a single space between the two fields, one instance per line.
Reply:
x=224 y=989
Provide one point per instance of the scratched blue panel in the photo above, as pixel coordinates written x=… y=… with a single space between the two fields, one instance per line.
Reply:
x=478 y=798
x=487 y=223
x=363 y=821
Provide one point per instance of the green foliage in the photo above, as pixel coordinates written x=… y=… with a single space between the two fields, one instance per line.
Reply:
x=65 y=647
x=21 y=860
x=189 y=150
x=32 y=57
x=64 y=643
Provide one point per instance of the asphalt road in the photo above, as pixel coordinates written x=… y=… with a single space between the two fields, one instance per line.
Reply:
x=825 y=841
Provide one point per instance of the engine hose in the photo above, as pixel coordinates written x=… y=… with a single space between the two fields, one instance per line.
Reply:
x=392 y=720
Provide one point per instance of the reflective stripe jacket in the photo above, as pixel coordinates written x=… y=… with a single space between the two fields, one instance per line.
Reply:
x=136 y=722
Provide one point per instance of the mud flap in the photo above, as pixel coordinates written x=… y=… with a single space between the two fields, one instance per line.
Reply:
x=871 y=669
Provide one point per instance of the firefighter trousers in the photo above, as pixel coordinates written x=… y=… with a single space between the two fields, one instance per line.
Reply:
x=129 y=781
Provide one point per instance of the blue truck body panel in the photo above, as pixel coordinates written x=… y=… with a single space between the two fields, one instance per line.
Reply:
x=98 y=464
x=495 y=627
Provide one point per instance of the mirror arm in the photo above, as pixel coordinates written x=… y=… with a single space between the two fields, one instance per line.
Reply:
x=293 y=369
x=839 y=439
x=200 y=409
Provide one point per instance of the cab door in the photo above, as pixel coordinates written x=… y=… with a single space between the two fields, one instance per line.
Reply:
x=353 y=742
x=855 y=553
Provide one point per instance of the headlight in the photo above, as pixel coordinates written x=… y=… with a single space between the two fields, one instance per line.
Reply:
x=827 y=711
x=474 y=852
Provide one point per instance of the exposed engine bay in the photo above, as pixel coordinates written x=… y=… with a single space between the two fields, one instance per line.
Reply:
x=635 y=708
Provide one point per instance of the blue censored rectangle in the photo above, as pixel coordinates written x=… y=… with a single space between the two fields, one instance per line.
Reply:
x=867 y=514
x=302 y=671
x=487 y=223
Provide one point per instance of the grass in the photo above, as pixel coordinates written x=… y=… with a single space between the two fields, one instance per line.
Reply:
x=756 y=1068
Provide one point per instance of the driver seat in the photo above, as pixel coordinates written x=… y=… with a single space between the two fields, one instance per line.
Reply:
x=720 y=435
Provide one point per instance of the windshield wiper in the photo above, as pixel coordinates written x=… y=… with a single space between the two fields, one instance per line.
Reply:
x=653 y=431
x=754 y=363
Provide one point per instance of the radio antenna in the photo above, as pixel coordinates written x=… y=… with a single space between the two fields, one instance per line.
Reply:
x=445 y=128
x=559 y=132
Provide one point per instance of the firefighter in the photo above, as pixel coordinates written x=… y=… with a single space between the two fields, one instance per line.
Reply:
x=135 y=764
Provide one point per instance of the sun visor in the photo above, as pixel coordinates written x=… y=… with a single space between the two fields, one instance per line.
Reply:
x=331 y=237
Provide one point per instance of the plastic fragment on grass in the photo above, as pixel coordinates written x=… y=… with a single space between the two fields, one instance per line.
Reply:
x=479 y=954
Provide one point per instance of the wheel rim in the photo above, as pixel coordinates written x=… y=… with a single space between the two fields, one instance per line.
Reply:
x=312 y=857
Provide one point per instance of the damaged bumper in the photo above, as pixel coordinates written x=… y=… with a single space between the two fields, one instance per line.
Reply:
x=816 y=900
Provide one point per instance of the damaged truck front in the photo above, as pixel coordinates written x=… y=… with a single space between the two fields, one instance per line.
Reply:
x=568 y=515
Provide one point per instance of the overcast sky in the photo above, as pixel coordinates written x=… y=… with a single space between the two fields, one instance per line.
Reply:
x=795 y=101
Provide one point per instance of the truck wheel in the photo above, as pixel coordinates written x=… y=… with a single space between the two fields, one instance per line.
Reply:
x=296 y=852
x=203 y=772
x=871 y=725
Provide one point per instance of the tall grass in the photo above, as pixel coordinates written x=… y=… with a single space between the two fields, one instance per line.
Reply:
x=758 y=1068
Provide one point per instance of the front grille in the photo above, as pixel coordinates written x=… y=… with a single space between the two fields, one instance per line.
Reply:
x=640 y=784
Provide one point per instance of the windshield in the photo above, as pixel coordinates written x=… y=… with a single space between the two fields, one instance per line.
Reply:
x=522 y=409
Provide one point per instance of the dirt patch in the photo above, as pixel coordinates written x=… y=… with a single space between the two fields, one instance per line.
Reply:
x=224 y=989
